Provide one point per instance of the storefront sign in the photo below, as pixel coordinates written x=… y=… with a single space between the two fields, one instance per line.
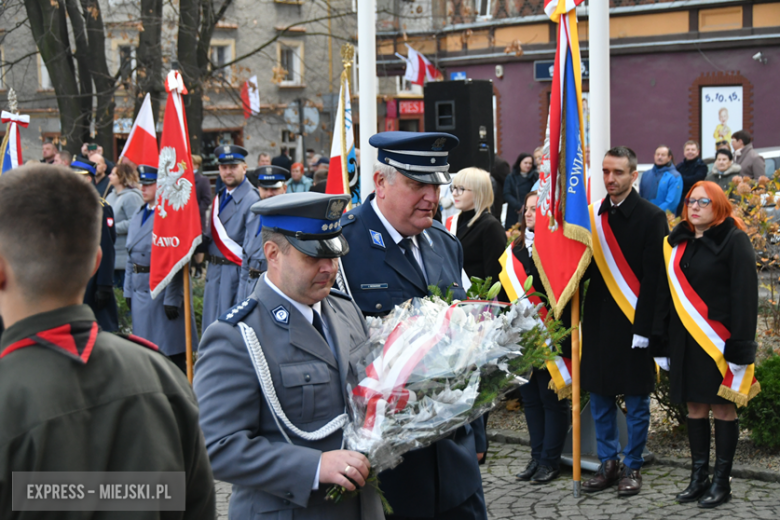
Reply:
x=415 y=107
x=543 y=69
x=392 y=109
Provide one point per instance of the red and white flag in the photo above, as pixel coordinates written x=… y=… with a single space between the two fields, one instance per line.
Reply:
x=419 y=68
x=342 y=179
x=250 y=97
x=141 y=145
x=176 y=231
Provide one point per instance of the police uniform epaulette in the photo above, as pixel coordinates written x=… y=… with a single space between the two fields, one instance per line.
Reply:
x=340 y=294
x=348 y=219
x=239 y=312
x=440 y=227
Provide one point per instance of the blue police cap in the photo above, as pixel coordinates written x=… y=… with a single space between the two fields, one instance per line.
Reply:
x=230 y=154
x=421 y=156
x=311 y=222
x=272 y=176
x=147 y=174
x=83 y=167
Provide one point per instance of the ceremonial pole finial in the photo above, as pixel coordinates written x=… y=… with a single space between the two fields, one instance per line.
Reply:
x=13 y=103
x=347 y=56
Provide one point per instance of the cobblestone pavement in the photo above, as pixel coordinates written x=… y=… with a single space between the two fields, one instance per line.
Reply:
x=510 y=499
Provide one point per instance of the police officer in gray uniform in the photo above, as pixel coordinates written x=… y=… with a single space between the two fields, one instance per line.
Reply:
x=229 y=218
x=159 y=320
x=272 y=374
x=270 y=183
x=397 y=250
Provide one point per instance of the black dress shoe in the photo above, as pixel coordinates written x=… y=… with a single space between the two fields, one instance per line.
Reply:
x=545 y=474
x=530 y=469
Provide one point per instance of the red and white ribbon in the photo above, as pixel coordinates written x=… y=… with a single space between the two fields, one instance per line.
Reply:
x=21 y=120
x=226 y=245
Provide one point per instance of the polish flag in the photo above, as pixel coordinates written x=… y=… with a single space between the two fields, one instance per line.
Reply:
x=250 y=97
x=418 y=68
x=141 y=145
x=176 y=231
x=341 y=169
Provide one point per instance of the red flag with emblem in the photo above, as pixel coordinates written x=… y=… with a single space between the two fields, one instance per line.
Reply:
x=176 y=231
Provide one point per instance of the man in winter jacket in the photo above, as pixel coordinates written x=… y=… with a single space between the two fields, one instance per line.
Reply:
x=662 y=184
x=692 y=169
x=752 y=165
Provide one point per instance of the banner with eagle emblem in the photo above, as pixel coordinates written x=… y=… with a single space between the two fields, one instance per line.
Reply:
x=177 y=230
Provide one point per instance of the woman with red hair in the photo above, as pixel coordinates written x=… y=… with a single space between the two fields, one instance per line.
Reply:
x=706 y=324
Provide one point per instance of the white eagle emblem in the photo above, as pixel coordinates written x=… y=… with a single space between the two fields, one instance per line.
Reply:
x=171 y=186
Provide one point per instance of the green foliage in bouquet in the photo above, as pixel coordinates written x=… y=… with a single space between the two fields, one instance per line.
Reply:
x=337 y=493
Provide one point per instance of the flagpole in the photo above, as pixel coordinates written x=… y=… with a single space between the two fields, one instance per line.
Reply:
x=347 y=55
x=188 y=320
x=599 y=100
x=366 y=15
x=575 y=393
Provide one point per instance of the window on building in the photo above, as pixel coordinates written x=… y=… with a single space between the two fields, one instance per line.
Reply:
x=290 y=58
x=290 y=140
x=404 y=86
x=126 y=56
x=43 y=75
x=484 y=9
x=221 y=53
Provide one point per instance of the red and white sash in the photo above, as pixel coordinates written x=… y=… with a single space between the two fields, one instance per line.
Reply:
x=226 y=245
x=621 y=281
x=739 y=383
x=452 y=223
x=513 y=278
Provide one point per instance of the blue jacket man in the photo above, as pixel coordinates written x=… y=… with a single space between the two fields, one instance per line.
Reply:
x=662 y=184
x=397 y=250
x=229 y=217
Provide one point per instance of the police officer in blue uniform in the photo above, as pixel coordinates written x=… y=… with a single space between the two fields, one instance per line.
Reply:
x=229 y=218
x=159 y=320
x=270 y=183
x=100 y=289
x=397 y=250
x=272 y=374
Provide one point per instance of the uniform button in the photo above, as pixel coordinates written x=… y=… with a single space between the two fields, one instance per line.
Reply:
x=289 y=495
x=307 y=378
x=378 y=305
x=685 y=266
x=351 y=217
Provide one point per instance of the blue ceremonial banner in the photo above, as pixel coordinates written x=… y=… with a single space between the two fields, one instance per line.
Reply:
x=575 y=211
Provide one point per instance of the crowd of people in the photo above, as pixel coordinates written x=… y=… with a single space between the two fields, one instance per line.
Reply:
x=289 y=312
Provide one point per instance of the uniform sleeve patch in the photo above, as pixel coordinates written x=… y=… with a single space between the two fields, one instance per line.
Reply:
x=239 y=312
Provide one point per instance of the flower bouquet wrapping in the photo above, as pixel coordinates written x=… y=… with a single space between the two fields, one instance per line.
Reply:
x=430 y=367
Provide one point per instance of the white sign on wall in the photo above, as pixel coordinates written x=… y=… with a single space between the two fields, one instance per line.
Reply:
x=721 y=116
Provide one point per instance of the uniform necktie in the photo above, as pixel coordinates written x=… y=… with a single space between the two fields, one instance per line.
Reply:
x=147 y=214
x=317 y=323
x=407 y=245
x=222 y=203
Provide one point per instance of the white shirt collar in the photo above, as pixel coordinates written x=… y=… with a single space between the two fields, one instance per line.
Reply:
x=394 y=234
x=302 y=308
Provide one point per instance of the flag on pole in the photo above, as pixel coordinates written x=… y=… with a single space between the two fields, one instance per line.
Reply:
x=177 y=231
x=342 y=170
x=250 y=97
x=11 y=149
x=419 y=68
x=562 y=239
x=141 y=145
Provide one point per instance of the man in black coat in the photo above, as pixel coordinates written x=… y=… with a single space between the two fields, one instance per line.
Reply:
x=283 y=159
x=692 y=169
x=617 y=323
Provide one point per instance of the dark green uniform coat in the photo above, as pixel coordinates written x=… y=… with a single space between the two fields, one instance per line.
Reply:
x=75 y=399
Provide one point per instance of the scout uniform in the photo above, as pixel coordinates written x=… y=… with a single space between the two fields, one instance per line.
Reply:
x=77 y=399
x=253 y=262
x=382 y=270
x=229 y=217
x=266 y=427
x=159 y=320
x=100 y=289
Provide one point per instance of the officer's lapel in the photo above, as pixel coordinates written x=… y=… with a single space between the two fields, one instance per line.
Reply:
x=433 y=261
x=341 y=340
x=394 y=255
x=232 y=206
x=138 y=231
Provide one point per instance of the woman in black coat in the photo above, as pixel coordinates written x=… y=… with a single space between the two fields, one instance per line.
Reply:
x=715 y=259
x=547 y=416
x=481 y=234
x=519 y=182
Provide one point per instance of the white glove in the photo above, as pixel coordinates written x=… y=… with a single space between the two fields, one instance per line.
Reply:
x=640 y=342
x=662 y=362
x=737 y=369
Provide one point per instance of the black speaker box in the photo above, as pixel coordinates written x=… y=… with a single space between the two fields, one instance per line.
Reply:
x=463 y=108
